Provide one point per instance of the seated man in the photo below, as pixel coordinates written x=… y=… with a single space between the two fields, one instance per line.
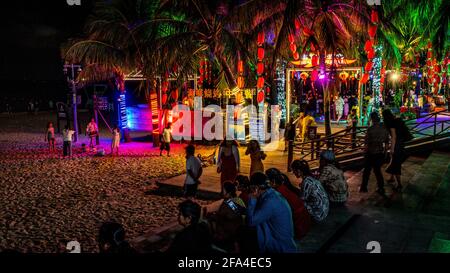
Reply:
x=227 y=219
x=195 y=237
x=270 y=213
x=332 y=179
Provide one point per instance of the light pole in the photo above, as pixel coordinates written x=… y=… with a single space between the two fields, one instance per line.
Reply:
x=72 y=67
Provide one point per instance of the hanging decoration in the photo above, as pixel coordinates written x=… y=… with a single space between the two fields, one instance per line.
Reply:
x=240 y=78
x=293 y=47
x=260 y=69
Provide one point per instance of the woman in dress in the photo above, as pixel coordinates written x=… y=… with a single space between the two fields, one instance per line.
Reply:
x=115 y=140
x=256 y=157
x=228 y=162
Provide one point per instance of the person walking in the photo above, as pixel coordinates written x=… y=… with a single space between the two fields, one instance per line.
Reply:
x=399 y=135
x=228 y=162
x=376 y=141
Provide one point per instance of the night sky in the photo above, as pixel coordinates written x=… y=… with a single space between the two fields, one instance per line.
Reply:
x=31 y=37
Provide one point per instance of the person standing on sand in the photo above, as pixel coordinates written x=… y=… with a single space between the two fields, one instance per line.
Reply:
x=193 y=172
x=256 y=157
x=166 y=139
x=228 y=162
x=115 y=140
x=92 y=132
x=67 y=144
x=50 y=137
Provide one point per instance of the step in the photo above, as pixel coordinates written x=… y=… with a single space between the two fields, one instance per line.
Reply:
x=423 y=187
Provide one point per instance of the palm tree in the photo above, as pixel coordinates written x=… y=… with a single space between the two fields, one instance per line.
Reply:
x=116 y=41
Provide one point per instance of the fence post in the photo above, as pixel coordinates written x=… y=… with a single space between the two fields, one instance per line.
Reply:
x=353 y=137
x=290 y=155
x=435 y=124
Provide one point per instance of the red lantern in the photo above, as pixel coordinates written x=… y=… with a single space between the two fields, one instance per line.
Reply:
x=368 y=46
x=293 y=47
x=314 y=75
x=297 y=23
x=429 y=54
x=364 y=78
x=240 y=82
x=383 y=72
x=371 y=54
x=296 y=56
x=260 y=53
x=372 y=31
x=202 y=71
x=428 y=63
x=374 y=16
x=429 y=45
x=260 y=97
x=260 y=68
x=437 y=68
x=261 y=37
x=368 y=66
x=437 y=79
x=312 y=47
x=260 y=83
x=240 y=66
x=307 y=32
x=175 y=94
x=314 y=60
x=291 y=38
x=164 y=99
x=202 y=63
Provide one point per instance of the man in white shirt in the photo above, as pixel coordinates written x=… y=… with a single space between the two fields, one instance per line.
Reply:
x=67 y=138
x=166 y=138
x=193 y=172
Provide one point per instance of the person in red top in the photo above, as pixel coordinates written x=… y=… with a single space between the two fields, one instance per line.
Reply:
x=300 y=216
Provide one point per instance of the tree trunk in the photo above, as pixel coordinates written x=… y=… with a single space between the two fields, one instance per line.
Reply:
x=231 y=80
x=326 y=92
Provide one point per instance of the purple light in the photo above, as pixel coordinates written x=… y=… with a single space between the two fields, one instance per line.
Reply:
x=321 y=76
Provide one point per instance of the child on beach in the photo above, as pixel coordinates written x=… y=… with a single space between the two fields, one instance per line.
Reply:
x=50 y=137
x=92 y=132
x=115 y=140
x=67 y=144
x=166 y=138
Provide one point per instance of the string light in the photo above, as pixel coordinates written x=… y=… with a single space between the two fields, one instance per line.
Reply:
x=376 y=80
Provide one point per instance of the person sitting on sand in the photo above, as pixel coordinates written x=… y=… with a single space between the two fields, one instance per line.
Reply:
x=195 y=238
x=111 y=239
x=227 y=218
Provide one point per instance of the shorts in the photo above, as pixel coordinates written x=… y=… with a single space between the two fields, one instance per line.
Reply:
x=190 y=190
x=165 y=146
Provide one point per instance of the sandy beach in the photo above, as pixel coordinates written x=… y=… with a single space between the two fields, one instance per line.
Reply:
x=47 y=201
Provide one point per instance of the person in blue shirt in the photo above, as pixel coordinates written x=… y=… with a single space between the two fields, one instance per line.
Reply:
x=270 y=213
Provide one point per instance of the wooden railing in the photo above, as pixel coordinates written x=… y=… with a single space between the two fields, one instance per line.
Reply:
x=348 y=144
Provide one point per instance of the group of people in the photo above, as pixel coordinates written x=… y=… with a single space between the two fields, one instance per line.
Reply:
x=267 y=215
x=91 y=131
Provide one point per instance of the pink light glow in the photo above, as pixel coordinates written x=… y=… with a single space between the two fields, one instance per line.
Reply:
x=321 y=76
